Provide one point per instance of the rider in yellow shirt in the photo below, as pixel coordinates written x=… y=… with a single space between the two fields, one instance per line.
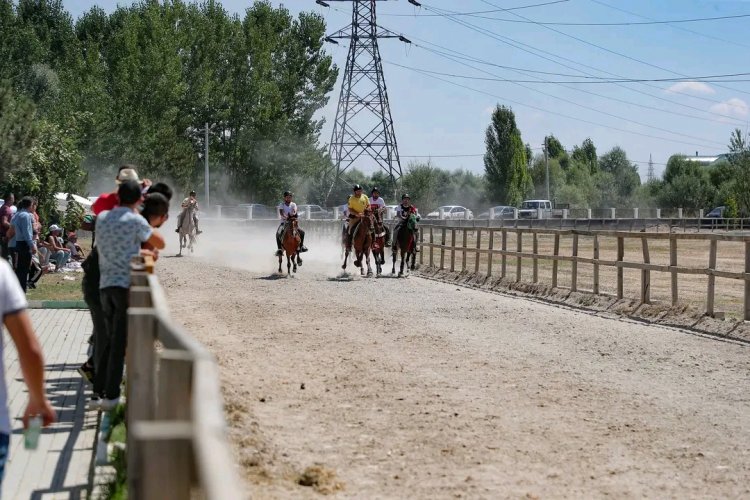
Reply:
x=358 y=203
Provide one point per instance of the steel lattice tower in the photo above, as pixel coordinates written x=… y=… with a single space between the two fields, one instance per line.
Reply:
x=363 y=128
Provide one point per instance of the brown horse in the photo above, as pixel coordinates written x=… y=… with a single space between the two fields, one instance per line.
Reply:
x=378 y=242
x=290 y=242
x=361 y=242
x=404 y=241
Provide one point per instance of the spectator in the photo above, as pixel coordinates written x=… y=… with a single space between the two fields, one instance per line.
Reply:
x=108 y=201
x=120 y=233
x=59 y=253
x=161 y=188
x=22 y=239
x=6 y=214
x=16 y=320
x=76 y=252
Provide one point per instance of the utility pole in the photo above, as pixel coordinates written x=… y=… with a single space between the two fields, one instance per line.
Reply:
x=546 y=164
x=363 y=127
x=205 y=171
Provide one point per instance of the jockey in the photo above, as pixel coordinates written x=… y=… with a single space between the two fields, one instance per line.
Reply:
x=287 y=209
x=403 y=212
x=190 y=201
x=357 y=205
x=376 y=202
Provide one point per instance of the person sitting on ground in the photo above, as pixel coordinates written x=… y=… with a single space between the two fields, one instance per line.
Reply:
x=58 y=252
x=358 y=204
x=287 y=209
x=189 y=204
x=119 y=234
x=15 y=318
x=76 y=252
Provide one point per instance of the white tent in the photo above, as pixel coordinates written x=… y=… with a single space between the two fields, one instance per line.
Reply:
x=62 y=201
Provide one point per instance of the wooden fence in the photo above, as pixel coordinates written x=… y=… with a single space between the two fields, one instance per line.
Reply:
x=438 y=242
x=176 y=443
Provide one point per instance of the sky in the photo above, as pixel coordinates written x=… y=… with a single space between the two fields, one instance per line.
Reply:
x=444 y=118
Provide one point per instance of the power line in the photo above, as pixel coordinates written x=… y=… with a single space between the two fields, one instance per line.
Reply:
x=556 y=58
x=451 y=57
x=481 y=155
x=614 y=52
x=712 y=37
x=531 y=106
x=482 y=11
x=631 y=23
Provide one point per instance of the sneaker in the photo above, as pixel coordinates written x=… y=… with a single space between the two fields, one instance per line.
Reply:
x=86 y=372
x=177 y=230
x=279 y=253
x=303 y=249
x=198 y=232
x=95 y=403
x=109 y=404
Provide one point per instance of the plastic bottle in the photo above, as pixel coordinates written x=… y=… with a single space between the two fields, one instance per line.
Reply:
x=32 y=432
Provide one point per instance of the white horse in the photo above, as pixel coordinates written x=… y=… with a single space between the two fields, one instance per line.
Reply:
x=187 y=229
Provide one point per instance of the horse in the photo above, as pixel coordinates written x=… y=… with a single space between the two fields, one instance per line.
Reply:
x=404 y=240
x=290 y=242
x=378 y=242
x=361 y=242
x=187 y=230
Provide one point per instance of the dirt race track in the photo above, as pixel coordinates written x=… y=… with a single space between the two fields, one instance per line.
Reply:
x=388 y=388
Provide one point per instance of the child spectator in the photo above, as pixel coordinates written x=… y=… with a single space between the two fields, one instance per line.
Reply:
x=119 y=234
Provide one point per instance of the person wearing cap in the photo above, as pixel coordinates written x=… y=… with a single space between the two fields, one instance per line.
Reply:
x=58 y=252
x=378 y=203
x=108 y=201
x=287 y=209
x=358 y=204
x=189 y=204
x=403 y=211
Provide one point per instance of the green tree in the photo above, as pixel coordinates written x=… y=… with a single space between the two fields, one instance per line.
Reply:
x=555 y=149
x=619 y=177
x=586 y=154
x=505 y=163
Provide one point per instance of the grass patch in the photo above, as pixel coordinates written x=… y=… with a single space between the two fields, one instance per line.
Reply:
x=117 y=489
x=56 y=287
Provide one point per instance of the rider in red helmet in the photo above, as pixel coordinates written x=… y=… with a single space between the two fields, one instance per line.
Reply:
x=403 y=211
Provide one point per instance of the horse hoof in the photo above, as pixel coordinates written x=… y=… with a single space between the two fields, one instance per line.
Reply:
x=400 y=275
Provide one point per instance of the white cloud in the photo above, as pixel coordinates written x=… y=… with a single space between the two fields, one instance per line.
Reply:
x=734 y=107
x=691 y=88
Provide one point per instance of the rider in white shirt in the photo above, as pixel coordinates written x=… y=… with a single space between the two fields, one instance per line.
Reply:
x=376 y=202
x=287 y=209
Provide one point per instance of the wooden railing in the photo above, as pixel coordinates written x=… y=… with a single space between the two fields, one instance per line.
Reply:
x=437 y=242
x=176 y=443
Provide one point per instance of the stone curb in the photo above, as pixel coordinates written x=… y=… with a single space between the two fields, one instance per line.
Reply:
x=57 y=304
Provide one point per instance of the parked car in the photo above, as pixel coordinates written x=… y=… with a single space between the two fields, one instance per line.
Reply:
x=259 y=211
x=530 y=209
x=716 y=213
x=501 y=212
x=316 y=212
x=452 y=212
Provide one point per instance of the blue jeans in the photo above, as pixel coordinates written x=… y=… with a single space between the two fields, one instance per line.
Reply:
x=4 y=446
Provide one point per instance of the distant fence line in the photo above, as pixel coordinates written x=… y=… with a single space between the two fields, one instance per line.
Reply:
x=438 y=242
x=176 y=432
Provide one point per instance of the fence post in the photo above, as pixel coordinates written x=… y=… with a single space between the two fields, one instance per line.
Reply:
x=453 y=249
x=679 y=213
x=162 y=459
x=620 y=270
x=478 y=255
x=711 y=278
x=250 y=212
x=613 y=213
x=432 y=242
x=645 y=274
x=555 y=252
x=515 y=213
x=335 y=213
x=519 y=249
x=492 y=213
x=504 y=260
x=658 y=213
x=218 y=211
x=596 y=264
x=747 y=282
x=173 y=394
x=442 y=247
x=574 y=265
x=565 y=213
x=535 y=260
x=700 y=214
x=635 y=213
x=421 y=246
x=489 y=254
x=463 y=249
x=589 y=213
x=673 y=265
x=441 y=213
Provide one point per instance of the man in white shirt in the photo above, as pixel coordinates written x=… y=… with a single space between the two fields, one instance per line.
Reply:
x=16 y=320
x=287 y=209
x=378 y=204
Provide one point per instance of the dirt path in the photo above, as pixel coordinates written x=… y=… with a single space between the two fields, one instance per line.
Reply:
x=446 y=392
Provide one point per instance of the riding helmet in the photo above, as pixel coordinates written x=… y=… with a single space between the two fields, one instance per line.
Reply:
x=405 y=196
x=357 y=187
x=287 y=193
x=375 y=190
x=192 y=193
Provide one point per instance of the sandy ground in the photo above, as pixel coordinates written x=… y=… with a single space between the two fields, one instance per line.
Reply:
x=393 y=388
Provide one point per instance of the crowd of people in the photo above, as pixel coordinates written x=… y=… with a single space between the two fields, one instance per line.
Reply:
x=124 y=225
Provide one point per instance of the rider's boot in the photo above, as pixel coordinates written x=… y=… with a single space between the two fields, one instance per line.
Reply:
x=348 y=242
x=197 y=231
x=279 y=252
x=177 y=230
x=302 y=247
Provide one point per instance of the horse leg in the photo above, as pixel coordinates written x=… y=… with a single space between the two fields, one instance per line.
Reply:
x=294 y=262
x=403 y=257
x=346 y=257
x=288 y=264
x=280 y=271
x=369 y=268
x=393 y=256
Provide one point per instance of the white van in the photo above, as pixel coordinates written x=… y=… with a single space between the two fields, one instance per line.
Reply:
x=535 y=209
